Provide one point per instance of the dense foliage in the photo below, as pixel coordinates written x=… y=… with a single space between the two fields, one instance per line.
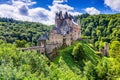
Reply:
x=76 y=62
x=100 y=28
x=22 y=33
x=15 y=64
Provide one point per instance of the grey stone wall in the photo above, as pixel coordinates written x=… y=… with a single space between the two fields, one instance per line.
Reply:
x=56 y=39
x=50 y=47
x=68 y=40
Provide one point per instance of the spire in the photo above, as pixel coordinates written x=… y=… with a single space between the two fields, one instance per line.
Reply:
x=57 y=15
x=66 y=15
x=60 y=15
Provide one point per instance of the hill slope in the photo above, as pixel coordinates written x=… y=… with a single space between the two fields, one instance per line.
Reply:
x=15 y=64
x=21 y=33
x=66 y=61
x=39 y=66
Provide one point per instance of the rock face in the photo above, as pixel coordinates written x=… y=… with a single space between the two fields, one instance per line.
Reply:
x=66 y=30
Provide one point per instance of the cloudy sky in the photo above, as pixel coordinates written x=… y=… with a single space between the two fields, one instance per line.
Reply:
x=43 y=11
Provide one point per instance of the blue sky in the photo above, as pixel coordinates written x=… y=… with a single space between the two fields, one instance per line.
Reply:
x=44 y=10
x=80 y=5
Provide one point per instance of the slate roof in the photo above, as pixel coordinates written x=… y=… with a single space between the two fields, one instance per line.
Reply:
x=44 y=37
x=57 y=30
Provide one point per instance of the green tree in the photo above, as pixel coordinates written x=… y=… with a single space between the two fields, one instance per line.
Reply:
x=115 y=49
x=20 y=43
x=78 y=52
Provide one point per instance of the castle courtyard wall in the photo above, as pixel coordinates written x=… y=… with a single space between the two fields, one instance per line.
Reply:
x=56 y=38
x=68 y=39
x=51 y=47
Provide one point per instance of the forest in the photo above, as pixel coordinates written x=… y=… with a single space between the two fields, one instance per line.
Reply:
x=80 y=61
x=24 y=34
x=100 y=28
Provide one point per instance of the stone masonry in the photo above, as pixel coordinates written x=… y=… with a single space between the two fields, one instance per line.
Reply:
x=66 y=30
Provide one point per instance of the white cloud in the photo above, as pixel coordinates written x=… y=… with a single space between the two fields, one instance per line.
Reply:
x=27 y=2
x=92 y=11
x=59 y=7
x=41 y=15
x=59 y=1
x=113 y=4
x=75 y=13
x=19 y=10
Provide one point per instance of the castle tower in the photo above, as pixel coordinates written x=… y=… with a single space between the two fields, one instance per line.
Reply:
x=66 y=15
x=42 y=42
x=60 y=15
x=58 y=19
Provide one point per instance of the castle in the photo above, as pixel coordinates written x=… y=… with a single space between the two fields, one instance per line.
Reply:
x=67 y=29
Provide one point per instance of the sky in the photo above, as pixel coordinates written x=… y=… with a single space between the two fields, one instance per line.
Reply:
x=43 y=11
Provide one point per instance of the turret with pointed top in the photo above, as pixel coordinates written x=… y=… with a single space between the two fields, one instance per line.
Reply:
x=60 y=15
x=58 y=19
x=66 y=15
x=57 y=15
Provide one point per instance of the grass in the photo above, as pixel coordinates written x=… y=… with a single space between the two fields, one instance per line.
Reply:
x=76 y=67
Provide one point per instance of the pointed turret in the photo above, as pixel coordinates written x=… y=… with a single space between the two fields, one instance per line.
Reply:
x=57 y=15
x=66 y=15
x=60 y=15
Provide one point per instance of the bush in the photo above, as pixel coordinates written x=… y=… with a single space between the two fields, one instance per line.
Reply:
x=78 y=52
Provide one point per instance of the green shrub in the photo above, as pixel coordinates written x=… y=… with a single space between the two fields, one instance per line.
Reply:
x=78 y=52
